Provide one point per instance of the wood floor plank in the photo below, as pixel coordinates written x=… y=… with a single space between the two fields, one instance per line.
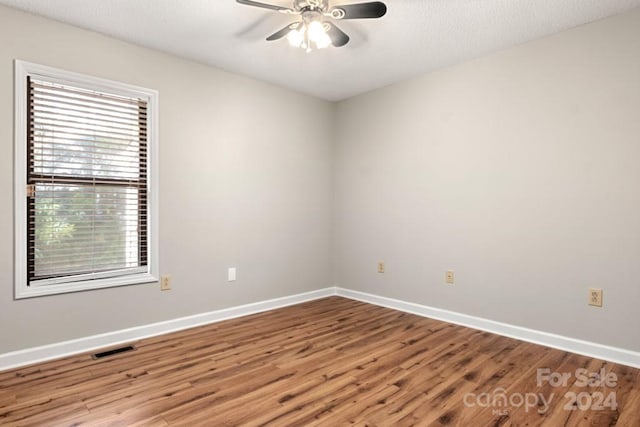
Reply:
x=329 y=362
x=630 y=414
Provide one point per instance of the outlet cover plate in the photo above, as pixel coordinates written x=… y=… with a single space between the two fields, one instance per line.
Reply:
x=595 y=297
x=165 y=283
x=449 y=277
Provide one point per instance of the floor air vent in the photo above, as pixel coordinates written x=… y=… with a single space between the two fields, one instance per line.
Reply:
x=113 y=352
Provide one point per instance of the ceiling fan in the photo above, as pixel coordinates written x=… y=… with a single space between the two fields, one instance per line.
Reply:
x=315 y=28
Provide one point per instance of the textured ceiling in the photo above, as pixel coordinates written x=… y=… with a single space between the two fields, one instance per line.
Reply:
x=414 y=37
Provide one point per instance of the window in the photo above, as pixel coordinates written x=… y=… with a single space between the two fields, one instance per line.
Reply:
x=86 y=206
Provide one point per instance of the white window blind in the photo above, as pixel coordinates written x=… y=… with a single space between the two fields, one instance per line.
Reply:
x=87 y=176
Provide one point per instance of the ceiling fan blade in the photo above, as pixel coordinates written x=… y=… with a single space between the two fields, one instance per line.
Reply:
x=283 y=32
x=265 y=5
x=374 y=9
x=337 y=36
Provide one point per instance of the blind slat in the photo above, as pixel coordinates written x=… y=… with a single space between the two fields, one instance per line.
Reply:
x=45 y=127
x=54 y=112
x=82 y=180
x=56 y=159
x=102 y=97
x=68 y=125
x=57 y=102
x=92 y=115
x=46 y=149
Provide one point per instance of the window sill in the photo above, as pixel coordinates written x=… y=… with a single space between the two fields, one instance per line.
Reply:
x=38 y=291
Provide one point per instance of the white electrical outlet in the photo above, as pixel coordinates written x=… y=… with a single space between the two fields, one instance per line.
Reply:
x=231 y=274
x=380 y=266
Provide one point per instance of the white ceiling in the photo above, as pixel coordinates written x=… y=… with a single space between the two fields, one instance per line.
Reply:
x=414 y=37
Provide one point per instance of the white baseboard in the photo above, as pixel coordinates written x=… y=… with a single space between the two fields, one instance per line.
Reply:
x=586 y=348
x=54 y=351
x=66 y=348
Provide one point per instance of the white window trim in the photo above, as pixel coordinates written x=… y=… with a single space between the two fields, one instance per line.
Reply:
x=22 y=288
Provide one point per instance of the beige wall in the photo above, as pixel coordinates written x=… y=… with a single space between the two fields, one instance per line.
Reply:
x=520 y=171
x=244 y=182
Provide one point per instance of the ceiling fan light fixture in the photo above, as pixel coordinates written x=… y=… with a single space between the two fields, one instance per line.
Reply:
x=307 y=35
x=318 y=34
x=296 y=37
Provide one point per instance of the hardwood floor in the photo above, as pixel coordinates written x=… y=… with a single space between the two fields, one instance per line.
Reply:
x=329 y=362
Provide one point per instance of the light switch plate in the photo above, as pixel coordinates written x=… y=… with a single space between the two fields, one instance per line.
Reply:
x=231 y=274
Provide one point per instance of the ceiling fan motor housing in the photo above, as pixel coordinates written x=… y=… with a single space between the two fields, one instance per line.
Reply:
x=311 y=15
x=301 y=5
